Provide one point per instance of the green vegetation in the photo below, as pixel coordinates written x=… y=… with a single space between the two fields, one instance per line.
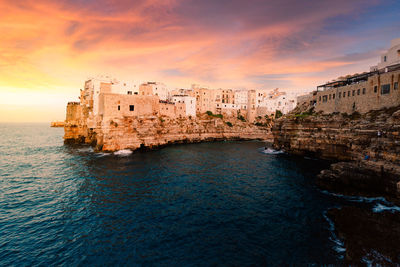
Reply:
x=209 y=113
x=278 y=114
x=161 y=119
x=229 y=123
x=303 y=114
x=240 y=117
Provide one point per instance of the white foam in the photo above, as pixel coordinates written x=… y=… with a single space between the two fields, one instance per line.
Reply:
x=338 y=245
x=85 y=150
x=379 y=208
x=359 y=199
x=374 y=255
x=102 y=154
x=271 y=151
x=123 y=152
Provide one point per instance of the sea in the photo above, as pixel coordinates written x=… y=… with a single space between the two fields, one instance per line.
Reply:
x=207 y=204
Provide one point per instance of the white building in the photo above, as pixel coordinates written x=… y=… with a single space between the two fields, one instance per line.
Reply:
x=96 y=86
x=282 y=103
x=159 y=89
x=391 y=57
x=241 y=99
x=189 y=101
x=129 y=88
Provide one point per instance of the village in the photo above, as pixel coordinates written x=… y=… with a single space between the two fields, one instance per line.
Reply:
x=105 y=98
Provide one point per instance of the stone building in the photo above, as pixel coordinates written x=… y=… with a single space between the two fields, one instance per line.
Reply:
x=390 y=57
x=252 y=107
x=364 y=92
x=154 y=88
x=241 y=99
x=204 y=99
x=189 y=103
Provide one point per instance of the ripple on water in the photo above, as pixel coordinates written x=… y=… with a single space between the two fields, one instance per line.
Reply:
x=200 y=204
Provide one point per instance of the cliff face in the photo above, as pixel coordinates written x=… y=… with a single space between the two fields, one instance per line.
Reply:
x=348 y=139
x=339 y=137
x=367 y=234
x=133 y=133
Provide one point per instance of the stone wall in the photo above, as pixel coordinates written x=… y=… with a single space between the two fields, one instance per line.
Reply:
x=361 y=97
x=167 y=109
x=142 y=105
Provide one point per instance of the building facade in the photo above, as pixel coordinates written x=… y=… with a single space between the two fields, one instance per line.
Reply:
x=364 y=92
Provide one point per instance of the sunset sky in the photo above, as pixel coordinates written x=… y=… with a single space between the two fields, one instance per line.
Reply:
x=48 y=48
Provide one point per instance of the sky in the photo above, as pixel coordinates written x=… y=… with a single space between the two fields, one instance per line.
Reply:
x=49 y=48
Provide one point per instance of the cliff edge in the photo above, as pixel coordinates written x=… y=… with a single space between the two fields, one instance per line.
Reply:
x=364 y=146
x=151 y=132
x=366 y=152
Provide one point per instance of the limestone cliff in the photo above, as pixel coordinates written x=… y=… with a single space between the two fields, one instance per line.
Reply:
x=368 y=235
x=149 y=132
x=342 y=137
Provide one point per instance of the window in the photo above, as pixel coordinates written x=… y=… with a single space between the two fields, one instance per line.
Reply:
x=363 y=91
x=340 y=94
x=330 y=97
x=348 y=93
x=354 y=92
x=129 y=92
x=396 y=85
x=119 y=107
x=136 y=93
x=131 y=107
x=384 y=58
x=385 y=89
x=333 y=96
x=358 y=91
x=319 y=98
x=325 y=98
x=375 y=89
x=344 y=94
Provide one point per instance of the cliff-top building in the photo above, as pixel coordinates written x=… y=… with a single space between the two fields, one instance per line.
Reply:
x=364 y=92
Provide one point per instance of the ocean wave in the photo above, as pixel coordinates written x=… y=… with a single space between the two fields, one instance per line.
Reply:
x=379 y=208
x=102 y=154
x=359 y=199
x=123 y=152
x=338 y=245
x=271 y=151
x=85 y=150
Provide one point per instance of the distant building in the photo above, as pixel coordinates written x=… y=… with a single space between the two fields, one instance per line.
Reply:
x=361 y=93
x=390 y=57
x=189 y=103
x=154 y=88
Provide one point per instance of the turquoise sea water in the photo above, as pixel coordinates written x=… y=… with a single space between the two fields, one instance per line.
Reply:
x=223 y=203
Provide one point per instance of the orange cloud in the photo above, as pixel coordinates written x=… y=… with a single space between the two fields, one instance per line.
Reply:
x=51 y=47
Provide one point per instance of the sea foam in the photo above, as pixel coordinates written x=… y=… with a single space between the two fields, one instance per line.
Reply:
x=271 y=151
x=123 y=152
x=379 y=208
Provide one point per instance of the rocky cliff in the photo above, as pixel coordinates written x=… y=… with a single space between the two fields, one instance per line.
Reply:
x=366 y=151
x=134 y=133
x=349 y=138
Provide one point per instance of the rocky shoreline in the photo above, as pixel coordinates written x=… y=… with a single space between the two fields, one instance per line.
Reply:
x=365 y=149
x=157 y=132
